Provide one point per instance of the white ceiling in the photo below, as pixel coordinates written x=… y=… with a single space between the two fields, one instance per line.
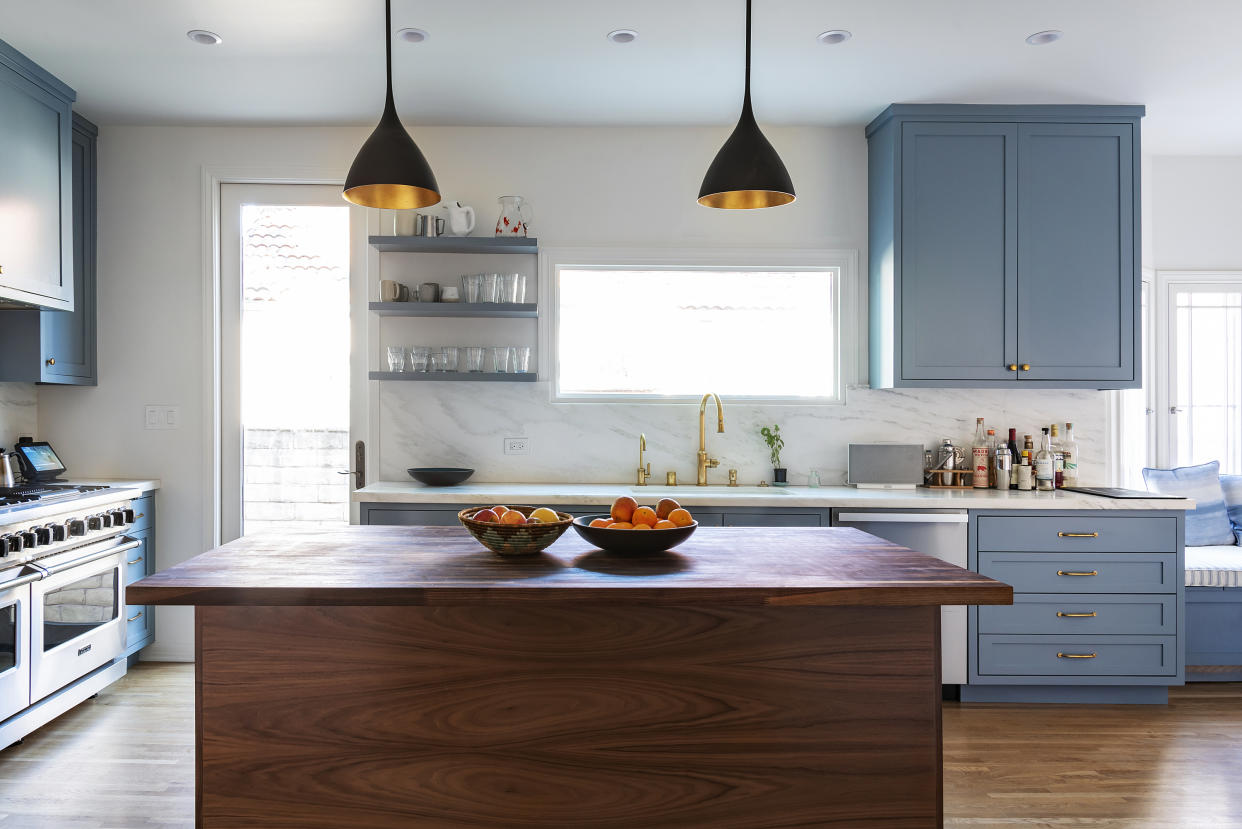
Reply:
x=547 y=61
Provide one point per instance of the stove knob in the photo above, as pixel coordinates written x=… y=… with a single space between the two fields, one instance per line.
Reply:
x=93 y=523
x=12 y=543
x=76 y=526
x=28 y=538
x=59 y=531
x=43 y=535
x=118 y=518
x=129 y=515
x=105 y=520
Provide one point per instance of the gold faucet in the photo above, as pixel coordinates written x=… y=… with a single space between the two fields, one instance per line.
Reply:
x=643 y=474
x=704 y=461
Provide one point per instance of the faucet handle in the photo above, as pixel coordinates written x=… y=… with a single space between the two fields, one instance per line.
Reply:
x=644 y=474
x=732 y=477
x=713 y=462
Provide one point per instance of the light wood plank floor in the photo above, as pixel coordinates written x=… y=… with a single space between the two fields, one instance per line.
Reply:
x=126 y=761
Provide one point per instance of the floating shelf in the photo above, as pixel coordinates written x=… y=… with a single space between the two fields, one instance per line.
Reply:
x=453 y=244
x=458 y=376
x=455 y=309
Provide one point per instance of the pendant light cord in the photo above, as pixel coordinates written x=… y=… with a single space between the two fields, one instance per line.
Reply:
x=746 y=97
x=388 y=48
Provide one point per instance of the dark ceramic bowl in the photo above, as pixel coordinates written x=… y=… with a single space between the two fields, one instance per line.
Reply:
x=440 y=475
x=631 y=542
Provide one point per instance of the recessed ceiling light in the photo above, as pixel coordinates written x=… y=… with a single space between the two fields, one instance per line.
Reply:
x=1045 y=37
x=833 y=36
x=411 y=35
x=623 y=36
x=204 y=37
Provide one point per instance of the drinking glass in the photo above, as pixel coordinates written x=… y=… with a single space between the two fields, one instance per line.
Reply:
x=472 y=287
x=514 y=288
x=396 y=358
x=419 y=355
x=491 y=288
x=438 y=361
x=474 y=358
x=500 y=358
x=450 y=357
x=521 y=358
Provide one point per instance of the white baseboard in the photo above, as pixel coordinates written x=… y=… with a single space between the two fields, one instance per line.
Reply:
x=156 y=653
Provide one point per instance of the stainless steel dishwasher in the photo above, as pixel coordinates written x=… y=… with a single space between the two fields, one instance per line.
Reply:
x=939 y=533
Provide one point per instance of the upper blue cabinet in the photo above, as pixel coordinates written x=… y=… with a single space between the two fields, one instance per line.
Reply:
x=1004 y=246
x=36 y=224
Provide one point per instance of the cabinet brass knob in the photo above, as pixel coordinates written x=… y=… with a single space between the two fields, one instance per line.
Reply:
x=51 y=361
x=1013 y=366
x=1026 y=366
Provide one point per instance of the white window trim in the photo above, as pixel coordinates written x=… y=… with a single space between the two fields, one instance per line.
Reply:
x=1166 y=283
x=849 y=301
x=1118 y=437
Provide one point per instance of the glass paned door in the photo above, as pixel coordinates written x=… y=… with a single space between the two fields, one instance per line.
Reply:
x=1205 y=374
x=79 y=607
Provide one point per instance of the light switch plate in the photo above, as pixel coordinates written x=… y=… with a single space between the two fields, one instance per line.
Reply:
x=161 y=417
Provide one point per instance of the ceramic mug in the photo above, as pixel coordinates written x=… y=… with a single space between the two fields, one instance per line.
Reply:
x=393 y=291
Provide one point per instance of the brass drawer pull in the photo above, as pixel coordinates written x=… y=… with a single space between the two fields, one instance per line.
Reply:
x=1078 y=573
x=1075 y=655
x=137 y=560
x=1078 y=535
x=1065 y=615
x=135 y=618
x=139 y=515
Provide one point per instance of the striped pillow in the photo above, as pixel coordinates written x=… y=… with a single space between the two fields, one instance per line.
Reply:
x=1232 y=486
x=1208 y=523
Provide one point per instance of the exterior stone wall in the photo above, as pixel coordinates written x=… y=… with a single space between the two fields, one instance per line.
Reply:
x=293 y=480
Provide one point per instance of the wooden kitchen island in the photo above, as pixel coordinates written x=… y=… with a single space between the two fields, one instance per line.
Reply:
x=406 y=677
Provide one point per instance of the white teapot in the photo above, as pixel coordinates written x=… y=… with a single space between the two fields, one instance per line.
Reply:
x=460 y=219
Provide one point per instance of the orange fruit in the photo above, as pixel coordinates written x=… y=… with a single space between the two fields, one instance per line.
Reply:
x=665 y=525
x=665 y=506
x=644 y=515
x=500 y=510
x=602 y=522
x=681 y=517
x=513 y=517
x=623 y=508
x=642 y=526
x=621 y=525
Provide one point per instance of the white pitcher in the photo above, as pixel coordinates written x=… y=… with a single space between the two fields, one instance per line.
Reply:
x=460 y=219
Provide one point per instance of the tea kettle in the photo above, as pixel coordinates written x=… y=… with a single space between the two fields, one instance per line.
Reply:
x=8 y=474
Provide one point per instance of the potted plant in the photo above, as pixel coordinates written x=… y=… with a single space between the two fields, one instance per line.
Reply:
x=772 y=437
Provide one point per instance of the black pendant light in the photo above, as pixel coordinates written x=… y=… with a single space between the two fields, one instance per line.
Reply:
x=746 y=173
x=390 y=171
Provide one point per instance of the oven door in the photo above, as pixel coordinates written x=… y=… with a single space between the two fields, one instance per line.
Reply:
x=15 y=641
x=76 y=616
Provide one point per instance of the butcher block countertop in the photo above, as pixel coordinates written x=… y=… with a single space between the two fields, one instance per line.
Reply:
x=445 y=566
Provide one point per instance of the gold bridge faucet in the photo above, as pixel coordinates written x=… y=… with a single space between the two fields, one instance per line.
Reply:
x=704 y=461
x=643 y=473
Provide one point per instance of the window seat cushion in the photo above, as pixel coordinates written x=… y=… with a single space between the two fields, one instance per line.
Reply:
x=1208 y=523
x=1218 y=565
x=1232 y=487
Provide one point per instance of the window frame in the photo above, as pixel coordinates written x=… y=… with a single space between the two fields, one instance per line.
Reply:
x=850 y=308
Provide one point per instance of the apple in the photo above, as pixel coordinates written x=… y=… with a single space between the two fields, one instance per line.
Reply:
x=486 y=516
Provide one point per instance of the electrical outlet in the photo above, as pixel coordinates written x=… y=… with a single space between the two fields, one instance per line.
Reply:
x=162 y=417
x=517 y=446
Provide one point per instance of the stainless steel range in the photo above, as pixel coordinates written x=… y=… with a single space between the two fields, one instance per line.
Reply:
x=62 y=599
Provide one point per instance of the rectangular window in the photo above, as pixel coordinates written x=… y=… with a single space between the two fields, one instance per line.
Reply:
x=657 y=332
x=1206 y=367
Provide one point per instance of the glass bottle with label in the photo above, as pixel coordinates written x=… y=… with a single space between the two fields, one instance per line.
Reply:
x=1045 y=466
x=1014 y=456
x=1058 y=459
x=980 y=456
x=1069 y=451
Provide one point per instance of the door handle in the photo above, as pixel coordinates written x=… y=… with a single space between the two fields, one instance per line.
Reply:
x=51 y=361
x=1176 y=410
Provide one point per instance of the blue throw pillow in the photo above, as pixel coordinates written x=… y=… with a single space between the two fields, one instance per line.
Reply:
x=1208 y=523
x=1232 y=486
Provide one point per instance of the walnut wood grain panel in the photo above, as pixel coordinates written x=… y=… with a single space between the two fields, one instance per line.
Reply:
x=545 y=716
x=445 y=566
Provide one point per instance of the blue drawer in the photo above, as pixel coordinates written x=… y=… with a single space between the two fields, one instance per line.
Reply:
x=138 y=623
x=1076 y=614
x=1086 y=533
x=137 y=560
x=1108 y=573
x=144 y=514
x=1071 y=656
x=767 y=519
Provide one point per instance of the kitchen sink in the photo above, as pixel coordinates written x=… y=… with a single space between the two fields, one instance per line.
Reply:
x=674 y=491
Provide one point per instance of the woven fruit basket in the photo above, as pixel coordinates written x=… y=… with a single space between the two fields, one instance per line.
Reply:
x=515 y=539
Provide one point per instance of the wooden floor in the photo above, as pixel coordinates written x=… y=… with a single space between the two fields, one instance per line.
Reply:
x=126 y=761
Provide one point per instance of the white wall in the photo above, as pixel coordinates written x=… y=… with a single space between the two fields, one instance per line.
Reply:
x=604 y=186
x=1196 y=212
x=19 y=412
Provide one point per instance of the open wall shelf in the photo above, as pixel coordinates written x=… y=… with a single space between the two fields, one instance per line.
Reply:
x=508 y=310
x=459 y=376
x=453 y=244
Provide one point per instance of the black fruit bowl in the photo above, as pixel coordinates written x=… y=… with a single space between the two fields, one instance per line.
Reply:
x=440 y=475
x=631 y=542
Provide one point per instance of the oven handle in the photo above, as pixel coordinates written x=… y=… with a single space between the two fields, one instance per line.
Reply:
x=93 y=556
x=22 y=581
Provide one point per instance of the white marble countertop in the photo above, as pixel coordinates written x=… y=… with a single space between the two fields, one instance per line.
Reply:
x=402 y=492
x=140 y=484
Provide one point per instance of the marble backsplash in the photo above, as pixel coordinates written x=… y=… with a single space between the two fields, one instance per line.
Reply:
x=19 y=412
x=464 y=424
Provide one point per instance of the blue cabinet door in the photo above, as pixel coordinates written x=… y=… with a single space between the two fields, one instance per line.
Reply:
x=68 y=337
x=1077 y=278
x=959 y=256
x=35 y=243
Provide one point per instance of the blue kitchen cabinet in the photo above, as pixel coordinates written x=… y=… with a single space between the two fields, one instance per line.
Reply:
x=139 y=563
x=445 y=515
x=36 y=256
x=1004 y=246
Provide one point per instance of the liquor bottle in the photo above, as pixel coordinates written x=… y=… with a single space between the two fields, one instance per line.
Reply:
x=992 y=444
x=1069 y=450
x=1014 y=457
x=1058 y=459
x=1024 y=475
x=980 y=455
x=1028 y=452
x=1045 y=471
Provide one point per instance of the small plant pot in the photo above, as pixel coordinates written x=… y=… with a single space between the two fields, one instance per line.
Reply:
x=779 y=475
